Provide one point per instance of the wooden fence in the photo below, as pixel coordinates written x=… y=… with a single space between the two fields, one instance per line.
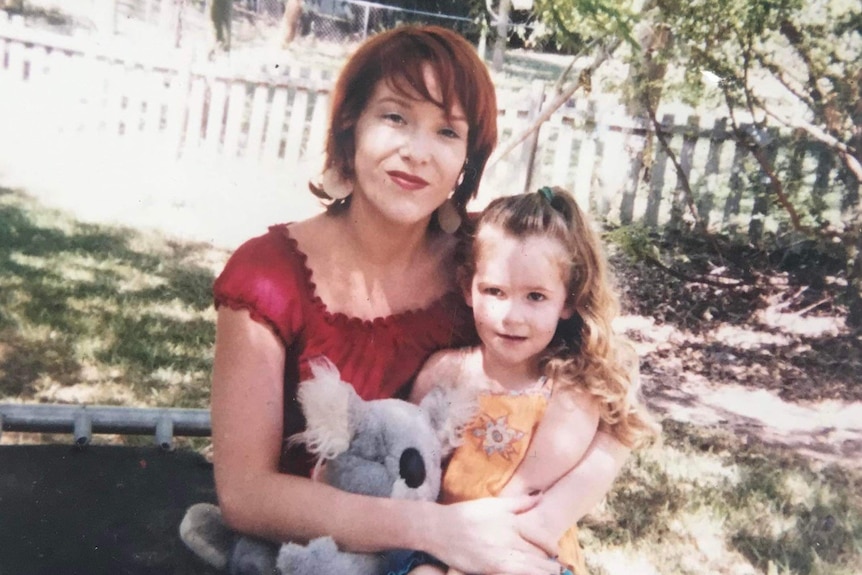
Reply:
x=163 y=101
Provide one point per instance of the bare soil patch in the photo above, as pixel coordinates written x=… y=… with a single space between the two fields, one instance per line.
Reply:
x=750 y=341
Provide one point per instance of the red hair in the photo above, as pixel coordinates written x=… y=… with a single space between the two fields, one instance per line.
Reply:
x=399 y=57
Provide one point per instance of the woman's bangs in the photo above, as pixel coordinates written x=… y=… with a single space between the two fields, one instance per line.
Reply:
x=407 y=77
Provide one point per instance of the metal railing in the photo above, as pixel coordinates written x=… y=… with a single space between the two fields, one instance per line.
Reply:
x=82 y=421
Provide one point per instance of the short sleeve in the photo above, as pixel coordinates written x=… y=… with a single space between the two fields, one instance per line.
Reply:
x=267 y=277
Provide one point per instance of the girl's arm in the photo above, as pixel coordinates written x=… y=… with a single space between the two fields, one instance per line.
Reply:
x=567 y=429
x=579 y=490
x=247 y=400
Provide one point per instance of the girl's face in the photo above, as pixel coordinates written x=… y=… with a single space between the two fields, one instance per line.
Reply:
x=409 y=153
x=518 y=295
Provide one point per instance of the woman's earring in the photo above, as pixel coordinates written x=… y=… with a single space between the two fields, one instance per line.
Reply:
x=334 y=185
x=448 y=217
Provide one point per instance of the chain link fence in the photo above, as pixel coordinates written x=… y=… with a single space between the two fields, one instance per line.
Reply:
x=336 y=21
x=355 y=20
x=189 y=22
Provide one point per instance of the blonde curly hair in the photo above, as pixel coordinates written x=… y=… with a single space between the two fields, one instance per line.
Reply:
x=585 y=354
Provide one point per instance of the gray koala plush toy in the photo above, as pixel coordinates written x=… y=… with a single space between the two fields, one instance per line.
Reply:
x=382 y=448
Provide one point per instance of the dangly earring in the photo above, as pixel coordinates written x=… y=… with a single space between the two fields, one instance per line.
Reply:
x=448 y=217
x=334 y=185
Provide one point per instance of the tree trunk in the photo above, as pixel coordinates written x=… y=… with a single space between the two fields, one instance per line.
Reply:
x=853 y=237
x=502 y=36
x=220 y=16
x=646 y=78
x=290 y=22
x=854 y=283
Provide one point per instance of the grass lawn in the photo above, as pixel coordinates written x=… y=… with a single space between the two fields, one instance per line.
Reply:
x=100 y=314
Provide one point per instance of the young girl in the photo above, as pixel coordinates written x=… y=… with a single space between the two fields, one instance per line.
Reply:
x=549 y=372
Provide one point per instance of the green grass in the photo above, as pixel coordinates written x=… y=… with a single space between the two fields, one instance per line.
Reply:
x=707 y=502
x=101 y=314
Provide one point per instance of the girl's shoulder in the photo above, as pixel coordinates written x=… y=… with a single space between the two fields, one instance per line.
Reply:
x=446 y=368
x=451 y=363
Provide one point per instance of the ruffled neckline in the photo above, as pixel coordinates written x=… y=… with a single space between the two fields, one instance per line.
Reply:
x=439 y=304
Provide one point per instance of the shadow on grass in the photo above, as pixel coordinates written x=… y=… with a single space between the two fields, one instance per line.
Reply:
x=769 y=506
x=107 y=301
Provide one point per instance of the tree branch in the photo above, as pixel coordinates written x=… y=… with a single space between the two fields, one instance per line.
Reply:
x=689 y=278
x=682 y=178
x=584 y=77
x=759 y=155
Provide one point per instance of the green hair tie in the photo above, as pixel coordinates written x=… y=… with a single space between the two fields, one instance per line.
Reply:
x=547 y=193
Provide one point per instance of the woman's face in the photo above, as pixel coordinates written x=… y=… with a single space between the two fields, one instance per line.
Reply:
x=409 y=153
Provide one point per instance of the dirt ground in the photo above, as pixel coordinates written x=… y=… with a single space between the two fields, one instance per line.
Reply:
x=753 y=342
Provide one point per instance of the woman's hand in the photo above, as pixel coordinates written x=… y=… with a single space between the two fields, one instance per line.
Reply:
x=487 y=536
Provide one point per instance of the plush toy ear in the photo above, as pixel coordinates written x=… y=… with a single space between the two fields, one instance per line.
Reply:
x=450 y=410
x=326 y=402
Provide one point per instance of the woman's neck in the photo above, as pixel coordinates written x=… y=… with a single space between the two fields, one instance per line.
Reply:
x=382 y=243
x=366 y=271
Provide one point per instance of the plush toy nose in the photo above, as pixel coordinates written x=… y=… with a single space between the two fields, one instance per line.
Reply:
x=412 y=468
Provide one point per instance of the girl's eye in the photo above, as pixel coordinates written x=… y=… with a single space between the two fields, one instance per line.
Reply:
x=536 y=296
x=450 y=133
x=493 y=291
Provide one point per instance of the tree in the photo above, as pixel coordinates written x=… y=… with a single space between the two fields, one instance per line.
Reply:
x=574 y=24
x=785 y=63
x=502 y=35
x=592 y=30
x=778 y=63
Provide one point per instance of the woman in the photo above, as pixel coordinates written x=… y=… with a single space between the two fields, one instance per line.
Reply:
x=370 y=284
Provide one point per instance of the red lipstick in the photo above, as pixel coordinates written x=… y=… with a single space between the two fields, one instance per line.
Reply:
x=407 y=181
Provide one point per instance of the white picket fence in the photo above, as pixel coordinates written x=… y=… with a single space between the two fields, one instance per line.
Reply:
x=119 y=96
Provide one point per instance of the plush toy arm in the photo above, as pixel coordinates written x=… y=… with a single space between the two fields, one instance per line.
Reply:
x=251 y=556
x=321 y=556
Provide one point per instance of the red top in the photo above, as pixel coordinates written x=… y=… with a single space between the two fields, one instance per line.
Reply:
x=268 y=276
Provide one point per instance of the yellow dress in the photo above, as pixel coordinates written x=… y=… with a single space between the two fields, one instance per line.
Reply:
x=494 y=444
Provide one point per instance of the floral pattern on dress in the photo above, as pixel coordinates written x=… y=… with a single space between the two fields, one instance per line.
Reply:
x=497 y=436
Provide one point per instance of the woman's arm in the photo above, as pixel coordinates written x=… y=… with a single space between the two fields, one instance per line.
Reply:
x=247 y=400
x=247 y=404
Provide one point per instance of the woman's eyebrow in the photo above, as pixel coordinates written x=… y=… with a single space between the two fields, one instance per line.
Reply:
x=406 y=103
x=394 y=100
